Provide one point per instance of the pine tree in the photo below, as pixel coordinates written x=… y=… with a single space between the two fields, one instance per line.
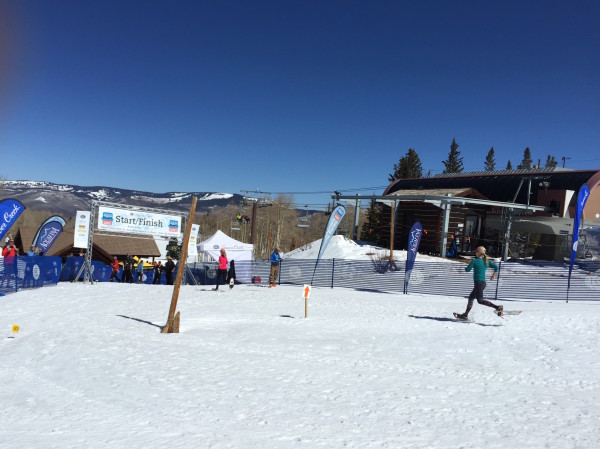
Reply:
x=409 y=166
x=490 y=162
x=173 y=248
x=454 y=162
x=509 y=165
x=526 y=163
x=371 y=228
x=551 y=162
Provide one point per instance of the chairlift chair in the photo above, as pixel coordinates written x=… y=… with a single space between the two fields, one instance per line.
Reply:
x=304 y=221
x=265 y=201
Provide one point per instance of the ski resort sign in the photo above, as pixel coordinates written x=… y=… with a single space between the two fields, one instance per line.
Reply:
x=138 y=222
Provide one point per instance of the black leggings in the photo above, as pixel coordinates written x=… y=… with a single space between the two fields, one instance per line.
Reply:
x=478 y=293
x=221 y=274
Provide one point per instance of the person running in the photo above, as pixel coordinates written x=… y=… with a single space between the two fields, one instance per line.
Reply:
x=479 y=265
x=275 y=261
x=222 y=272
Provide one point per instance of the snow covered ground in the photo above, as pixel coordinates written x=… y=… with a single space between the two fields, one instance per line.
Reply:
x=340 y=247
x=90 y=369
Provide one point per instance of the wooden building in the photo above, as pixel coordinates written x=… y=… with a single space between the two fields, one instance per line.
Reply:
x=484 y=208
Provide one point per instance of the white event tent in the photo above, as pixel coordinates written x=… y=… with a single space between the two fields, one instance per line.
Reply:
x=236 y=250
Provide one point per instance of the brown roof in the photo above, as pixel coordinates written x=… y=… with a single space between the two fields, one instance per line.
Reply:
x=105 y=247
x=460 y=192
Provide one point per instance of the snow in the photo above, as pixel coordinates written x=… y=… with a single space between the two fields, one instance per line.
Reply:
x=340 y=247
x=89 y=368
x=100 y=194
x=216 y=196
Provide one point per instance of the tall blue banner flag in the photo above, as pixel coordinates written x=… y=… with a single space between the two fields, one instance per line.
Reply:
x=334 y=220
x=582 y=197
x=414 y=239
x=10 y=209
x=48 y=233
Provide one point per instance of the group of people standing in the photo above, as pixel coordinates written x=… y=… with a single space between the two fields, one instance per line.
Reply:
x=128 y=269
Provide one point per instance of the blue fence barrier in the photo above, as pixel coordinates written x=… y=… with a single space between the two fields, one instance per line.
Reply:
x=516 y=280
x=102 y=272
x=28 y=272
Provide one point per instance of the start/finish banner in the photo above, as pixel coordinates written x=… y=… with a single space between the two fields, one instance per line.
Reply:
x=138 y=222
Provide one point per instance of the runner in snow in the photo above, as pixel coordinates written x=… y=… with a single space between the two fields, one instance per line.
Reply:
x=479 y=265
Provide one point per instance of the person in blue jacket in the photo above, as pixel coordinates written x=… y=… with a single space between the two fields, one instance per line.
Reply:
x=479 y=265
x=275 y=260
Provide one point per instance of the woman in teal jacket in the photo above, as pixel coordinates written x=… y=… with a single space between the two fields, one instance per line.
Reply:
x=479 y=265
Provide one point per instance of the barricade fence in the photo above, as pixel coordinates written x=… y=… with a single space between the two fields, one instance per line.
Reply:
x=28 y=272
x=515 y=281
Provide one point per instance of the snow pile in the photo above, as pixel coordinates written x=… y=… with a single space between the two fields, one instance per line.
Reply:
x=89 y=368
x=340 y=247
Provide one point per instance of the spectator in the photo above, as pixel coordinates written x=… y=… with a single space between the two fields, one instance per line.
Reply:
x=158 y=269
x=9 y=252
x=115 y=270
x=168 y=269
x=275 y=261
x=127 y=270
x=222 y=271
x=139 y=275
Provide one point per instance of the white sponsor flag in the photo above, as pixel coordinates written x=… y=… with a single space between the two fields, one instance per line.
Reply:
x=138 y=222
x=82 y=229
x=192 y=249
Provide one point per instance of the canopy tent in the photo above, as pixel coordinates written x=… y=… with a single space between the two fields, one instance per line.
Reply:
x=238 y=251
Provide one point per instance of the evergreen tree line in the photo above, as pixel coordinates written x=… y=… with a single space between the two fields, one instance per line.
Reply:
x=409 y=165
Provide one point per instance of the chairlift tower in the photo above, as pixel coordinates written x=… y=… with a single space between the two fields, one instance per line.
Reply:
x=264 y=201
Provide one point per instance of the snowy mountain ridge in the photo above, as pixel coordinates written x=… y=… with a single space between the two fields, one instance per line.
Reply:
x=68 y=198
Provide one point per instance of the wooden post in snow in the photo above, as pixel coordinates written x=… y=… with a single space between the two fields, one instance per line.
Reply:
x=172 y=325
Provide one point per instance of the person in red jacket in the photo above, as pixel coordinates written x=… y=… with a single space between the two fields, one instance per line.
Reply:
x=9 y=252
x=115 y=270
x=222 y=268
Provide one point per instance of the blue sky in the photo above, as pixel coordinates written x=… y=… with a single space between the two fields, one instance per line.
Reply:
x=291 y=96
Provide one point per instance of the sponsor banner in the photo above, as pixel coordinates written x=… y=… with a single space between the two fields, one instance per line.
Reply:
x=138 y=222
x=582 y=198
x=414 y=238
x=48 y=233
x=82 y=229
x=192 y=249
x=10 y=209
x=334 y=220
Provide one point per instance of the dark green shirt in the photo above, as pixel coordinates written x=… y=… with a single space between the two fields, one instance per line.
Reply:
x=479 y=268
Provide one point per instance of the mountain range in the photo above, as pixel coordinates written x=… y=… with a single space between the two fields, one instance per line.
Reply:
x=67 y=199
